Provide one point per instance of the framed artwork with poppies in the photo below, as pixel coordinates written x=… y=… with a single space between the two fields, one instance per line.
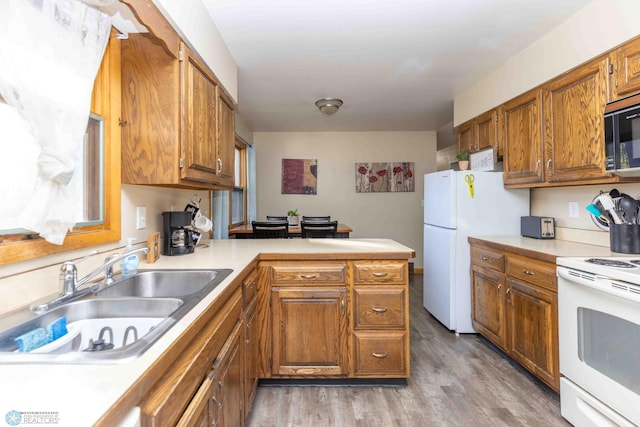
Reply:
x=384 y=177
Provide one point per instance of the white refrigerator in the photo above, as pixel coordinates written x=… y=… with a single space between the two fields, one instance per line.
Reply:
x=459 y=204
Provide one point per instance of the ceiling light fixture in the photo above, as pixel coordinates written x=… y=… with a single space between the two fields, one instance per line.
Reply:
x=328 y=106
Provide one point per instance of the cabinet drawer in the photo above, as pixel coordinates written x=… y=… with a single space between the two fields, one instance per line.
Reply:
x=532 y=271
x=371 y=272
x=381 y=354
x=484 y=257
x=379 y=308
x=249 y=288
x=308 y=273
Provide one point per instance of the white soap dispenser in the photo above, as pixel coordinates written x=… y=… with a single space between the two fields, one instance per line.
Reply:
x=129 y=265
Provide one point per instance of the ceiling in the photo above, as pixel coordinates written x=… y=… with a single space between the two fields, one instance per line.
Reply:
x=396 y=64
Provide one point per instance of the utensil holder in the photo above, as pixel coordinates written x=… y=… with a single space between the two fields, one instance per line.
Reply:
x=625 y=238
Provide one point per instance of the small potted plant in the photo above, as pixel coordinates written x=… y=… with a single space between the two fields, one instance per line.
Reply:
x=293 y=218
x=463 y=159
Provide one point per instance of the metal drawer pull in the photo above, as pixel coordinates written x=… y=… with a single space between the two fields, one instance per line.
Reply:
x=484 y=258
x=378 y=310
x=380 y=355
x=527 y=272
x=308 y=276
x=379 y=274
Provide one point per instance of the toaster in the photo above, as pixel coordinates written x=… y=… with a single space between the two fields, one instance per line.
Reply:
x=538 y=227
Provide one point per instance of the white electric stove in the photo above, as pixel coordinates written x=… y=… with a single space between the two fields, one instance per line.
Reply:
x=599 y=334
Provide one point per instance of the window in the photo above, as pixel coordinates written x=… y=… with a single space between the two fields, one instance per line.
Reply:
x=238 y=196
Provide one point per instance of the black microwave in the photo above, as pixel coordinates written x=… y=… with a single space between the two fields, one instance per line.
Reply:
x=622 y=136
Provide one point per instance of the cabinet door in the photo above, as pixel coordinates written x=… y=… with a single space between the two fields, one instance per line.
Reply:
x=522 y=130
x=226 y=140
x=487 y=304
x=574 y=129
x=197 y=413
x=229 y=379
x=251 y=355
x=532 y=316
x=486 y=130
x=309 y=331
x=199 y=131
x=626 y=76
x=465 y=136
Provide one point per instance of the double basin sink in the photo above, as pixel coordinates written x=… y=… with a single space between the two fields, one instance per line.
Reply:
x=114 y=324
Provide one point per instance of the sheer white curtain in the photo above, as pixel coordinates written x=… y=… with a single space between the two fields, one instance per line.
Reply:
x=51 y=51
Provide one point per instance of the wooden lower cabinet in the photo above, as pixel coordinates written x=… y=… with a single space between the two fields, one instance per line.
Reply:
x=218 y=401
x=532 y=319
x=309 y=331
x=336 y=319
x=515 y=306
x=487 y=304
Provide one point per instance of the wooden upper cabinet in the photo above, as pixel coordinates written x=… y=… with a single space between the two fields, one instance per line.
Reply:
x=625 y=79
x=199 y=98
x=486 y=131
x=574 y=126
x=465 y=137
x=522 y=130
x=226 y=139
x=177 y=124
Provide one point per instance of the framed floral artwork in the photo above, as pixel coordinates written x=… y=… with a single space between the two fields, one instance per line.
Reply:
x=385 y=177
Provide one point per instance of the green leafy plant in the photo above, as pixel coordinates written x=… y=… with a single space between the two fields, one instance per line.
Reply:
x=292 y=212
x=462 y=155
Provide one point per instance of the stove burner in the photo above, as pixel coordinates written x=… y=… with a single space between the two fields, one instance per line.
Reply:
x=612 y=262
x=635 y=261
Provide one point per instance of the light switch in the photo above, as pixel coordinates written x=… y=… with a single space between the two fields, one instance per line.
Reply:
x=141 y=217
x=573 y=210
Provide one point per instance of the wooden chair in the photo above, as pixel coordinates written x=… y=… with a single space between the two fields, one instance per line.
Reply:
x=276 y=218
x=270 y=229
x=314 y=229
x=316 y=218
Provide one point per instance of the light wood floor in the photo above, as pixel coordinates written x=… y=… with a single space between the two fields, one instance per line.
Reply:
x=455 y=381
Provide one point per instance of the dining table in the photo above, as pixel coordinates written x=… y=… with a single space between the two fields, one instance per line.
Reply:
x=245 y=231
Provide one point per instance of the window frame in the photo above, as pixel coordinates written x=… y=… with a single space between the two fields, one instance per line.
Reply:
x=105 y=102
x=240 y=145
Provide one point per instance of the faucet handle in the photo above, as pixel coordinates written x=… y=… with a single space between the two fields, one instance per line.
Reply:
x=69 y=274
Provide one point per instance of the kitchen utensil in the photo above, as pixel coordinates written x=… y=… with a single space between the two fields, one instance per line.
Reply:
x=629 y=205
x=614 y=193
x=608 y=205
x=593 y=210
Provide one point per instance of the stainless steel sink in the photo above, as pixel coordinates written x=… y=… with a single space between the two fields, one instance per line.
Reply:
x=130 y=315
x=163 y=283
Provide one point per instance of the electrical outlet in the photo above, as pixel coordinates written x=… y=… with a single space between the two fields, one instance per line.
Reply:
x=141 y=217
x=574 y=208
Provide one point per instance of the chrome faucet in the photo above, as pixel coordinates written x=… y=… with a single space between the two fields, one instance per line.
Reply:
x=71 y=284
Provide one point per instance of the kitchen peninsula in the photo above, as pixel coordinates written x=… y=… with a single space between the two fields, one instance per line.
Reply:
x=231 y=330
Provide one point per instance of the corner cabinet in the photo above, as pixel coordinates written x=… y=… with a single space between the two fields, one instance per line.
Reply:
x=177 y=122
x=514 y=304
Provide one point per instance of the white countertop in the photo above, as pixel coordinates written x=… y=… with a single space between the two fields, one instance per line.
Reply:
x=554 y=247
x=80 y=394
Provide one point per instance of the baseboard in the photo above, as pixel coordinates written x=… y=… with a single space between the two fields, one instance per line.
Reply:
x=333 y=382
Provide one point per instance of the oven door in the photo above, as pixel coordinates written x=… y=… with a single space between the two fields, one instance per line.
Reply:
x=599 y=331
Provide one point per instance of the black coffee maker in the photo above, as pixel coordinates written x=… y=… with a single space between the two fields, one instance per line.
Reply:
x=179 y=239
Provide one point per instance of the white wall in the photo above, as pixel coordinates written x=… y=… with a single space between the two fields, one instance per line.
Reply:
x=196 y=27
x=397 y=216
x=600 y=26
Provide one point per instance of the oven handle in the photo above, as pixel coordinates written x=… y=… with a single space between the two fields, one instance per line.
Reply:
x=601 y=283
